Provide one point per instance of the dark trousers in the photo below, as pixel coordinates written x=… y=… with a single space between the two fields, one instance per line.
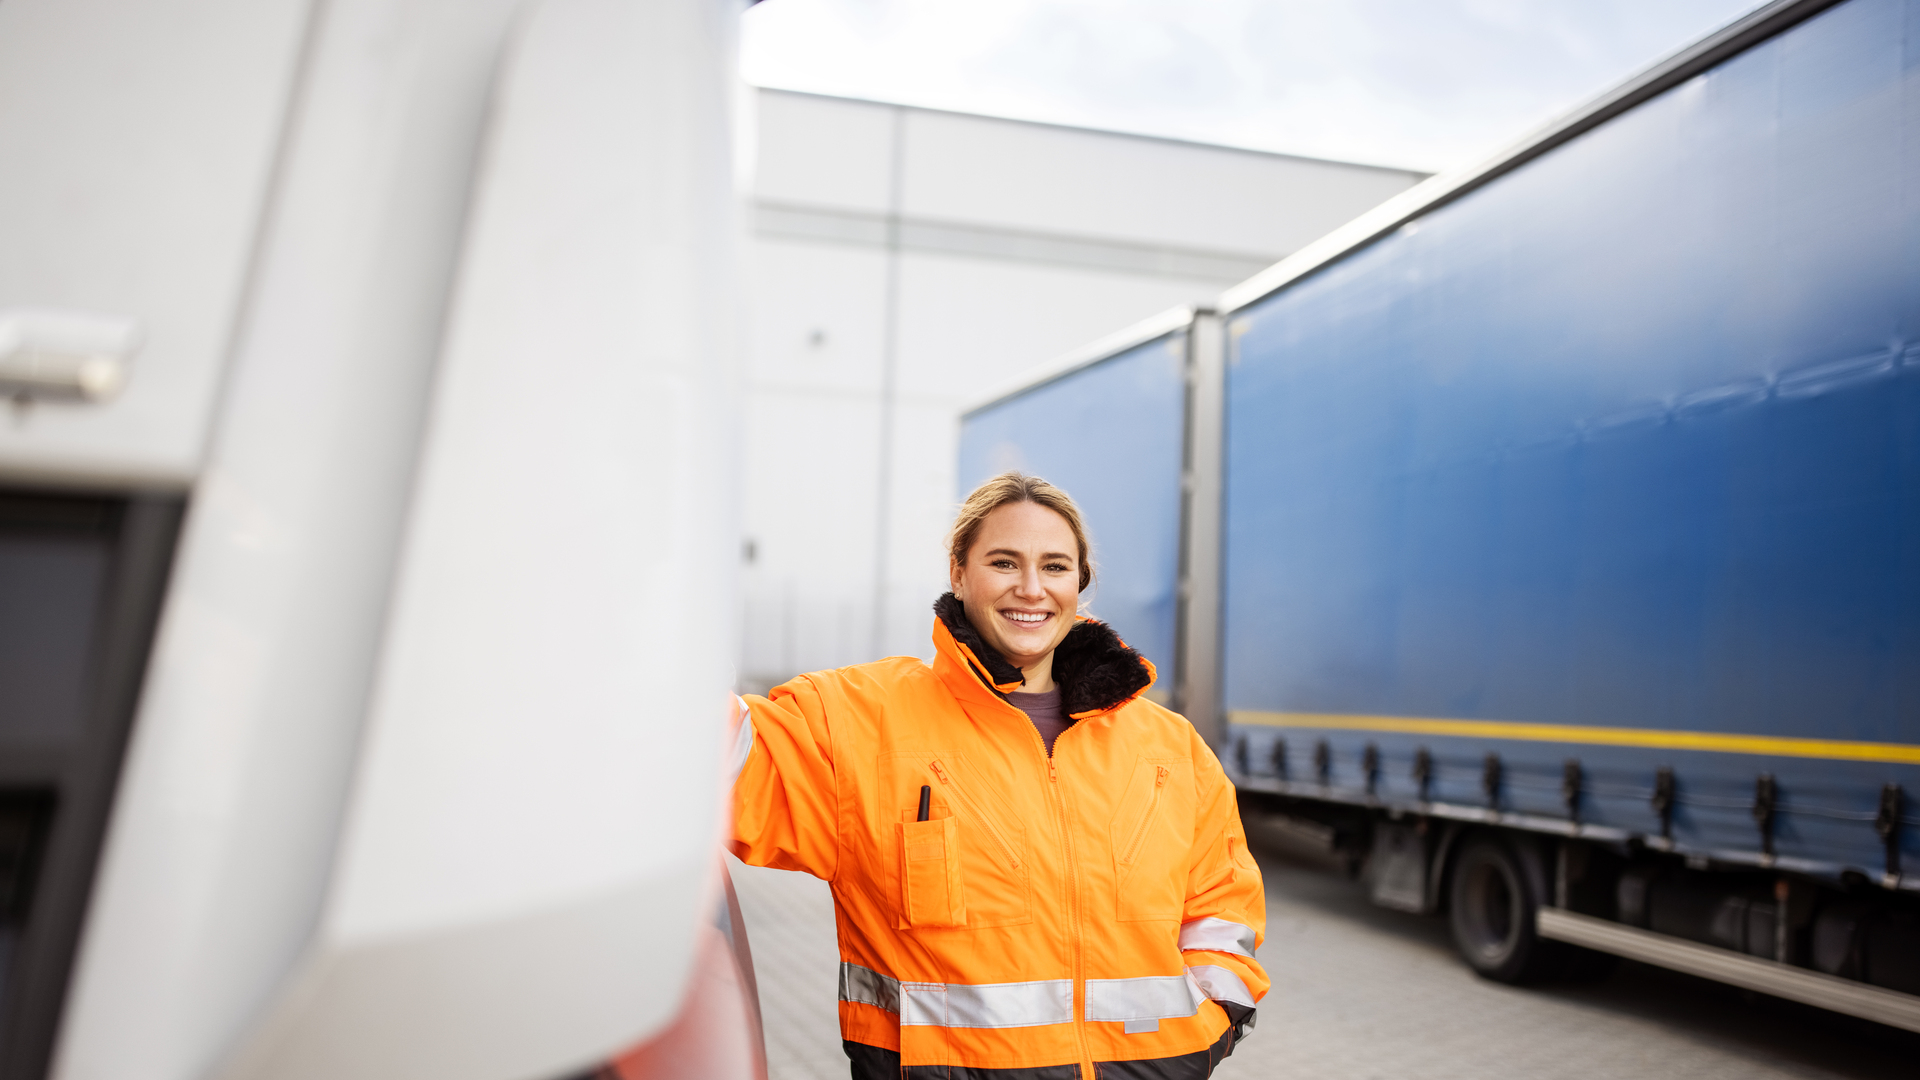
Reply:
x=873 y=1063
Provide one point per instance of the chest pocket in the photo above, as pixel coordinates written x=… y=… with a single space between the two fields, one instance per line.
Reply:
x=966 y=865
x=1152 y=836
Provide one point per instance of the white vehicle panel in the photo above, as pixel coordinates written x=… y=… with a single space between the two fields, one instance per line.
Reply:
x=220 y=851
x=139 y=141
x=544 y=745
x=424 y=775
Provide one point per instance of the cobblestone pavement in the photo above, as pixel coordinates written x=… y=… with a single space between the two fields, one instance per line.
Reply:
x=1361 y=993
x=796 y=962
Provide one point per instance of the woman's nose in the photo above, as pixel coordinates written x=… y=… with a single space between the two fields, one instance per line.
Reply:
x=1030 y=583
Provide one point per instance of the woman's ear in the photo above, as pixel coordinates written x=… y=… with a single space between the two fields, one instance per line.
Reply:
x=953 y=579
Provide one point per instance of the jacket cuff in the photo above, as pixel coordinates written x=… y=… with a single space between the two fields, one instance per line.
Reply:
x=1240 y=1018
x=1221 y=984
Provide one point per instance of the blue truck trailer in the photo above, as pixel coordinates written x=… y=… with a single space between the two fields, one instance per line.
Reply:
x=1546 y=542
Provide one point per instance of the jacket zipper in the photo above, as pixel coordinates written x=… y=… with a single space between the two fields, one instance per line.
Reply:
x=1073 y=918
x=980 y=815
x=1153 y=808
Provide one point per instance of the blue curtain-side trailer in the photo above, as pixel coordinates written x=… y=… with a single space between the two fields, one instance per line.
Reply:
x=1548 y=539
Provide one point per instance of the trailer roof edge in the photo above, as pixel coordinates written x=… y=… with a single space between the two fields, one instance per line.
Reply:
x=1146 y=330
x=1659 y=77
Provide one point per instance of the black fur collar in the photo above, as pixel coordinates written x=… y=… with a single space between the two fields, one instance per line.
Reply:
x=1094 y=668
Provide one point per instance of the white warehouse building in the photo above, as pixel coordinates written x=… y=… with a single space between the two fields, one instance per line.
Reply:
x=903 y=262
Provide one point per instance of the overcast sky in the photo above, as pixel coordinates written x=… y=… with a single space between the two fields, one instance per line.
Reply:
x=1428 y=84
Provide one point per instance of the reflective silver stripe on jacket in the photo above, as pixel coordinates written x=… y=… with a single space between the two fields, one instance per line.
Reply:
x=1046 y=1001
x=987 y=1005
x=981 y=1005
x=1221 y=984
x=865 y=986
x=1157 y=997
x=742 y=742
x=1217 y=935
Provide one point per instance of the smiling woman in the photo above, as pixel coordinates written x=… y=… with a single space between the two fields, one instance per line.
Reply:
x=1019 y=559
x=1036 y=870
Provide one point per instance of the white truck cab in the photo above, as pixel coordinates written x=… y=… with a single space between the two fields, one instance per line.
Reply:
x=367 y=540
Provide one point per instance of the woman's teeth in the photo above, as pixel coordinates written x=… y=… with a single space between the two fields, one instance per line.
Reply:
x=1025 y=619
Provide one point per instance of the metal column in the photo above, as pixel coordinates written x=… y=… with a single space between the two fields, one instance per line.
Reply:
x=1197 y=654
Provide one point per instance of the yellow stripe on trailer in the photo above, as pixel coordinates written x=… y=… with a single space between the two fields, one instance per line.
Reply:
x=1780 y=746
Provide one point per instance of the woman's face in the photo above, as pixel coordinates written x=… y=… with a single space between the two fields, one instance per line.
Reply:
x=1021 y=581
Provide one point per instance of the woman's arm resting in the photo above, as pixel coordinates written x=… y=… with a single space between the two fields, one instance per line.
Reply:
x=784 y=796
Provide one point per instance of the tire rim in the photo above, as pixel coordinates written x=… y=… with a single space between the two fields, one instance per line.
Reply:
x=1492 y=910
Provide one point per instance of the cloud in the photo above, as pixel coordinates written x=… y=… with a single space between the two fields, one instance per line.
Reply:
x=1422 y=83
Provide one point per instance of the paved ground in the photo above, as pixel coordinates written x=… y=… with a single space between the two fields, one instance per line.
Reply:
x=790 y=928
x=1361 y=993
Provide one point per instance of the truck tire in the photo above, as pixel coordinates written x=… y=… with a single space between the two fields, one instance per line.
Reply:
x=1493 y=903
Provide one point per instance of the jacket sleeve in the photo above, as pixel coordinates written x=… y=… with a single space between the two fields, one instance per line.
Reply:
x=1226 y=911
x=785 y=799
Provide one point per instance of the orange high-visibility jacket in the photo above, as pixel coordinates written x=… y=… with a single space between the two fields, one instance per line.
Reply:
x=1051 y=914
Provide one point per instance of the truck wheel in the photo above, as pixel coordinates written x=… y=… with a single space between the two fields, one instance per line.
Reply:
x=1492 y=905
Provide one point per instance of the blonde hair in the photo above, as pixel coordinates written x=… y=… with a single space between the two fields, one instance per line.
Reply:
x=1008 y=488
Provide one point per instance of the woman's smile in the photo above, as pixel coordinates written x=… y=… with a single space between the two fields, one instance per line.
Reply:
x=1021 y=586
